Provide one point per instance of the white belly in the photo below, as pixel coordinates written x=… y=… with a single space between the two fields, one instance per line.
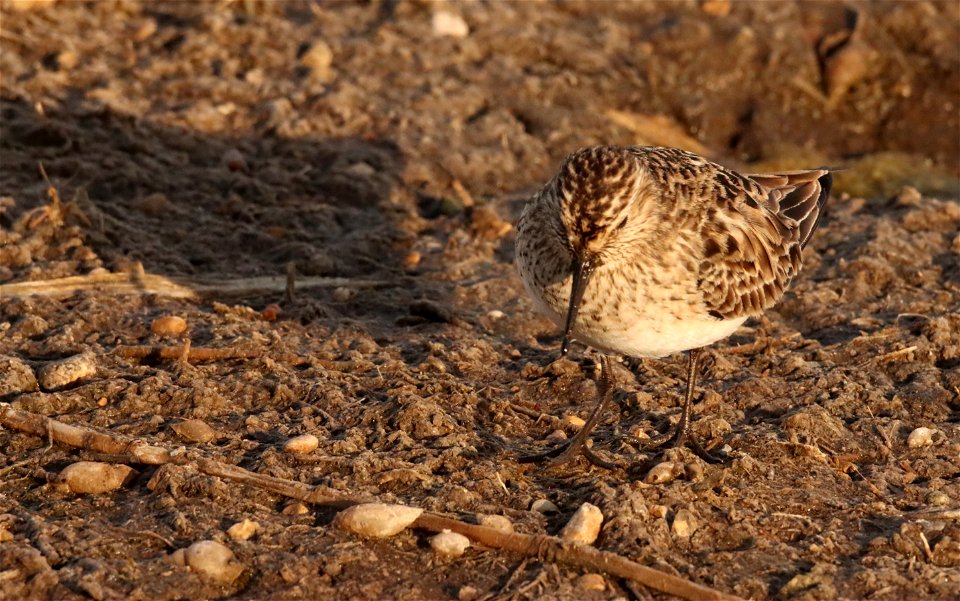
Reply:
x=660 y=337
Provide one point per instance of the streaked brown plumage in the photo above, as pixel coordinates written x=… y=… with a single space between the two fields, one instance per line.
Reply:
x=648 y=251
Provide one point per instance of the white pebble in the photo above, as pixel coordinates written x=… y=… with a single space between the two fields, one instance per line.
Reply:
x=921 y=437
x=664 y=472
x=544 y=506
x=584 y=526
x=92 y=477
x=449 y=544
x=497 y=522
x=301 y=445
x=451 y=24
x=213 y=561
x=243 y=530
x=67 y=371
x=377 y=520
x=495 y=314
x=684 y=524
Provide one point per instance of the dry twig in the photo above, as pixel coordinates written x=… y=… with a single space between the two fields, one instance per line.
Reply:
x=147 y=283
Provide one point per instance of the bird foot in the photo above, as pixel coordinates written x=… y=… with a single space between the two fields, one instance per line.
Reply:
x=676 y=439
x=566 y=452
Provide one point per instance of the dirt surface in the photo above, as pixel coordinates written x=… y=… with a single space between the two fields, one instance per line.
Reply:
x=391 y=148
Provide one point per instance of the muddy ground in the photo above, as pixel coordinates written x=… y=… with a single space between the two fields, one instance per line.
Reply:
x=389 y=149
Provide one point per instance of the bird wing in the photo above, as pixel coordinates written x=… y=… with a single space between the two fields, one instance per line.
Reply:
x=752 y=242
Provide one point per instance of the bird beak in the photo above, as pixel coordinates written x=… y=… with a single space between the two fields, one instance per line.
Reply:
x=583 y=265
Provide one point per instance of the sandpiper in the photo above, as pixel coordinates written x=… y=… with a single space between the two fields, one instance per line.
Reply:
x=648 y=251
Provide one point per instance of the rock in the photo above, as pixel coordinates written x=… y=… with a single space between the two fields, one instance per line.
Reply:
x=213 y=561
x=243 y=530
x=15 y=376
x=155 y=203
x=195 y=430
x=591 y=582
x=295 y=508
x=318 y=59
x=169 y=326
x=467 y=593
x=544 y=506
x=684 y=524
x=376 y=520
x=717 y=8
x=908 y=196
x=29 y=326
x=497 y=522
x=67 y=371
x=449 y=544
x=573 y=421
x=301 y=445
x=921 y=437
x=92 y=477
x=342 y=294
x=658 y=511
x=666 y=471
x=446 y=23
x=584 y=526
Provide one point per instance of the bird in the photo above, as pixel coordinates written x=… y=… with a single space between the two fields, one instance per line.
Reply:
x=647 y=251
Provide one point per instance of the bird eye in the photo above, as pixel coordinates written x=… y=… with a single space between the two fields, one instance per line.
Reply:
x=623 y=224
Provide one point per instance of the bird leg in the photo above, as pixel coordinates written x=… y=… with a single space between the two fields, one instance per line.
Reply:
x=568 y=450
x=679 y=436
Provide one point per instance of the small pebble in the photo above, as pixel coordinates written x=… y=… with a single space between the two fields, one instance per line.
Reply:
x=684 y=524
x=449 y=544
x=243 y=530
x=467 y=593
x=377 y=520
x=318 y=58
x=938 y=498
x=67 y=371
x=557 y=435
x=658 y=511
x=271 y=312
x=921 y=437
x=908 y=196
x=717 y=8
x=169 y=326
x=497 y=522
x=412 y=259
x=591 y=582
x=664 y=472
x=544 y=506
x=342 y=294
x=195 y=430
x=495 y=314
x=213 y=561
x=301 y=445
x=92 y=477
x=584 y=525
x=234 y=161
x=450 y=24
x=573 y=421
x=155 y=203
x=295 y=508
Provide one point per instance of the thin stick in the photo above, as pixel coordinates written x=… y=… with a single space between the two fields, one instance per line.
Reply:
x=147 y=283
x=553 y=549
